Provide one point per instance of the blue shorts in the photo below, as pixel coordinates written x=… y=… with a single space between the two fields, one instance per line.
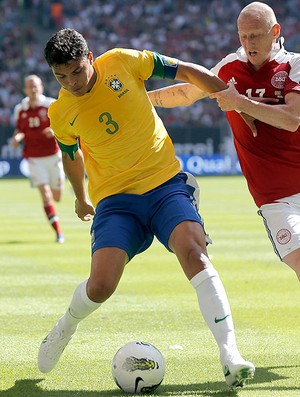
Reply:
x=130 y=221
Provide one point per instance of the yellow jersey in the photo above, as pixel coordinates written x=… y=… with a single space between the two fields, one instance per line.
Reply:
x=125 y=144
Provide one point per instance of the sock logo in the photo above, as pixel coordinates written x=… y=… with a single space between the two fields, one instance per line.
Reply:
x=218 y=320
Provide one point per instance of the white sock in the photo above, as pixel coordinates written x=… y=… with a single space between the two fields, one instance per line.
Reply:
x=215 y=309
x=80 y=307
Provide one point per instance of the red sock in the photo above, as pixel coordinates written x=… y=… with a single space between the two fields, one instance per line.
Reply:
x=52 y=217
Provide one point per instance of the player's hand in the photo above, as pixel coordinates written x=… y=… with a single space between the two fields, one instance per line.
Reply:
x=84 y=210
x=14 y=142
x=227 y=99
x=48 y=132
x=16 y=139
x=250 y=121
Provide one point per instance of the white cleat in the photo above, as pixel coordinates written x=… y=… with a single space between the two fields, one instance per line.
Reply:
x=238 y=372
x=51 y=349
x=60 y=238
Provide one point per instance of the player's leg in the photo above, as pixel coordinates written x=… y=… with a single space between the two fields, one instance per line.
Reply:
x=110 y=253
x=56 y=176
x=179 y=227
x=293 y=261
x=213 y=302
x=106 y=270
x=282 y=223
x=50 y=211
x=40 y=178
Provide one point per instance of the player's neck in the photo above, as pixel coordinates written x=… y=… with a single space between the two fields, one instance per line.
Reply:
x=34 y=102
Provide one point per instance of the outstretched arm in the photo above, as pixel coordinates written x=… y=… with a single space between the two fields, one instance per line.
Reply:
x=199 y=83
x=181 y=94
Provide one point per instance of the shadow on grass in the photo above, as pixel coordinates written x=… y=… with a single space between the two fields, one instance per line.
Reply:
x=30 y=388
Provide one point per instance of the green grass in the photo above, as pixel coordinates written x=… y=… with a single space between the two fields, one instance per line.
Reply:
x=154 y=302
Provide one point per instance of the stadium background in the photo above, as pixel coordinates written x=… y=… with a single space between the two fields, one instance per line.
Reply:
x=202 y=31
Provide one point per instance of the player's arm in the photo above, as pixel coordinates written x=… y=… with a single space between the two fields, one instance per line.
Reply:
x=199 y=76
x=201 y=82
x=17 y=137
x=181 y=94
x=73 y=163
x=285 y=116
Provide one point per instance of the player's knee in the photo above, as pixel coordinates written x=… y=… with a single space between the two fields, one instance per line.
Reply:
x=100 y=290
x=293 y=261
x=199 y=257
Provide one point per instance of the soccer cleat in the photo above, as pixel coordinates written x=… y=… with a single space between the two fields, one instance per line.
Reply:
x=238 y=372
x=60 y=238
x=51 y=349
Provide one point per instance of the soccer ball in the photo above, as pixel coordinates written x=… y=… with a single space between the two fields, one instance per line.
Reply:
x=138 y=367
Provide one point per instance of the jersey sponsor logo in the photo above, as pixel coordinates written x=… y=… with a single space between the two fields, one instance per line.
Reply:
x=283 y=236
x=73 y=121
x=279 y=79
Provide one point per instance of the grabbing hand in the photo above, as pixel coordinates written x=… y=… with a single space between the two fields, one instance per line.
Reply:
x=230 y=99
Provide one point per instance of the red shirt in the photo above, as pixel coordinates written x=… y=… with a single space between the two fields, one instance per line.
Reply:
x=32 y=121
x=271 y=161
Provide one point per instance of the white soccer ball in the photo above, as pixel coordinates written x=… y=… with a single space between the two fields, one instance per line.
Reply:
x=138 y=367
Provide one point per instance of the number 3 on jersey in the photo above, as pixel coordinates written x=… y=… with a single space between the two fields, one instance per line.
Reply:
x=113 y=126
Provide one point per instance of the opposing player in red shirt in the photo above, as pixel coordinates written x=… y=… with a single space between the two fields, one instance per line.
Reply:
x=261 y=71
x=40 y=148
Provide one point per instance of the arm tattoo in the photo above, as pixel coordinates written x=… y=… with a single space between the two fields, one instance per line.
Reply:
x=157 y=99
x=182 y=93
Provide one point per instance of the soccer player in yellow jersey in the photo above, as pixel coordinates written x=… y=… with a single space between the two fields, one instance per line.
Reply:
x=107 y=127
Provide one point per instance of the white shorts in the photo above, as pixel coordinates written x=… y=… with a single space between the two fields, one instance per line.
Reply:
x=282 y=222
x=47 y=170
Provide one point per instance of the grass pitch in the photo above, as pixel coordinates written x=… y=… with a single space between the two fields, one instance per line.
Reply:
x=154 y=302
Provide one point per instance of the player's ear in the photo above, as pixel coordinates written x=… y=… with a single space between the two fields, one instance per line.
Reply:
x=276 y=31
x=90 y=56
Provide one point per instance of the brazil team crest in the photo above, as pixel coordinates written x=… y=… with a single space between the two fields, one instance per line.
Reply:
x=114 y=83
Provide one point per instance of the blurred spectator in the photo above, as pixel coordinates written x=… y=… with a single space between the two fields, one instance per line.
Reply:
x=170 y=27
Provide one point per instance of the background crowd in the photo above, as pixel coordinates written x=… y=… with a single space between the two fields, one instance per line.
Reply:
x=201 y=31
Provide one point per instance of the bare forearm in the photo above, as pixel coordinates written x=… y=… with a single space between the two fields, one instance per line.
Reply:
x=278 y=116
x=182 y=94
x=74 y=170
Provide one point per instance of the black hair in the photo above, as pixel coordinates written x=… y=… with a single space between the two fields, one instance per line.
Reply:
x=64 y=46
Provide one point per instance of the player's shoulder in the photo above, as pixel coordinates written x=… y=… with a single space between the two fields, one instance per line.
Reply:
x=117 y=53
x=46 y=101
x=21 y=106
x=228 y=59
x=288 y=56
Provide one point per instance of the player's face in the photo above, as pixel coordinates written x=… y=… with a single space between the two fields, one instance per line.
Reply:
x=77 y=76
x=33 y=88
x=257 y=39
